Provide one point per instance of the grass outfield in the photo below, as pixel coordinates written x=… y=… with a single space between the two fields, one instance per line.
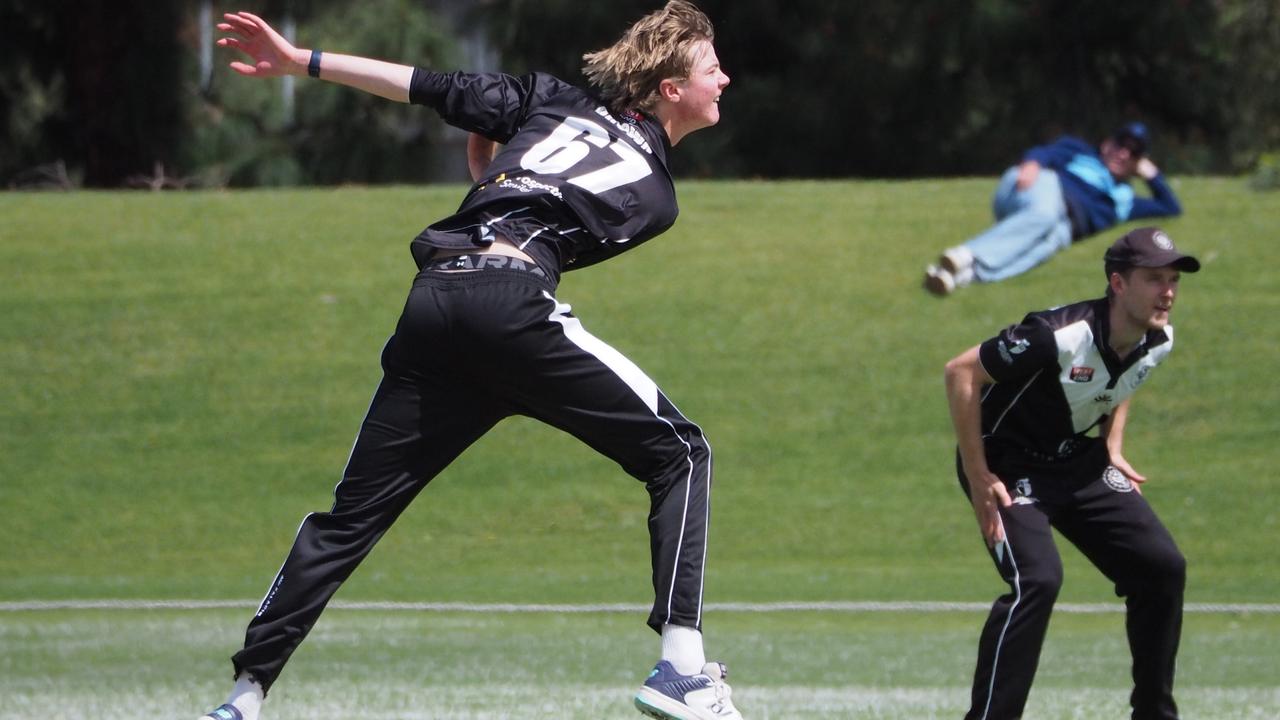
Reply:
x=792 y=666
x=182 y=376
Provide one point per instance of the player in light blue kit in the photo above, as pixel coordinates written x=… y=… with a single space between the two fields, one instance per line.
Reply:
x=1060 y=193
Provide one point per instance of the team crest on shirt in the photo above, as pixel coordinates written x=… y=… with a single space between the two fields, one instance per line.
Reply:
x=1023 y=490
x=1081 y=374
x=1116 y=480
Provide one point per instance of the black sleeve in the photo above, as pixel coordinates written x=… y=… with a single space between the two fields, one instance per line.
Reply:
x=1020 y=351
x=492 y=104
x=1161 y=203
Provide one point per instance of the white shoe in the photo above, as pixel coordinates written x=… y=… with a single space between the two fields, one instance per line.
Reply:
x=939 y=281
x=668 y=695
x=956 y=260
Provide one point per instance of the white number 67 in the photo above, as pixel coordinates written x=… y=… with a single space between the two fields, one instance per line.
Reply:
x=572 y=141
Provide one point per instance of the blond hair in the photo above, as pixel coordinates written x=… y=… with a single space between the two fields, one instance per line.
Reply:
x=658 y=46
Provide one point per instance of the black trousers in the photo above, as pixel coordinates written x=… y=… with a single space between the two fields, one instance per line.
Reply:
x=1115 y=528
x=470 y=349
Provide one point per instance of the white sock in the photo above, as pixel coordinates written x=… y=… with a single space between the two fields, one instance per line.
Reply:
x=247 y=696
x=682 y=647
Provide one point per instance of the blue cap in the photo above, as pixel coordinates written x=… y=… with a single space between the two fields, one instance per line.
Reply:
x=1133 y=136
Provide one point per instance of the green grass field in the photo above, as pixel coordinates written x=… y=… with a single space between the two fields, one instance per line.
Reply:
x=182 y=376
x=802 y=666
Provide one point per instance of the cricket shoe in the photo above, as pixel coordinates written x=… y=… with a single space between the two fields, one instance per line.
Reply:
x=668 y=695
x=223 y=712
x=939 y=281
x=956 y=260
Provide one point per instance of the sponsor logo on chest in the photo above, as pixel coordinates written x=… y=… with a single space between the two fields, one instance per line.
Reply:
x=1081 y=374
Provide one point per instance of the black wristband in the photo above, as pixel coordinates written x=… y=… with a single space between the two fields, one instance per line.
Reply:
x=313 y=67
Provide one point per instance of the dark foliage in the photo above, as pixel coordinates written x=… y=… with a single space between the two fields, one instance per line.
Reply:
x=106 y=93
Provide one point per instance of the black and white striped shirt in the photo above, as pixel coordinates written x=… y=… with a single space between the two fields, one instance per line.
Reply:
x=1056 y=379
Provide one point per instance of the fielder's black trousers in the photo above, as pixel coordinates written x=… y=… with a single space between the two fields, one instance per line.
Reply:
x=470 y=349
x=1115 y=528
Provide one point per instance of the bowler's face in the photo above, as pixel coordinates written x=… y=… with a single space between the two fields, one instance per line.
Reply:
x=701 y=91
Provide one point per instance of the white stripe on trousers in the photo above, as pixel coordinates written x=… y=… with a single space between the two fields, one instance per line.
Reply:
x=1017 y=598
x=647 y=391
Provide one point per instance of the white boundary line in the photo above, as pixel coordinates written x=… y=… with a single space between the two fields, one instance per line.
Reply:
x=835 y=606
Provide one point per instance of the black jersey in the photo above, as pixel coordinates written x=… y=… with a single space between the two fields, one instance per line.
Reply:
x=573 y=184
x=1057 y=379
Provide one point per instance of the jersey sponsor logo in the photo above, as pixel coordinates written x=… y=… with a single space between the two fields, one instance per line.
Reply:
x=528 y=185
x=629 y=130
x=1081 y=374
x=1008 y=351
x=1116 y=480
x=1104 y=398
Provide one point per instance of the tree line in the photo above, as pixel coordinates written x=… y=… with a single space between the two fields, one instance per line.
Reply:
x=120 y=94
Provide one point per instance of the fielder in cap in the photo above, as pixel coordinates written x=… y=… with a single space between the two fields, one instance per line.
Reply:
x=1039 y=413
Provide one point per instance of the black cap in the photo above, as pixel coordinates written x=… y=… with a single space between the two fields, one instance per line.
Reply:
x=1147 y=247
x=1133 y=136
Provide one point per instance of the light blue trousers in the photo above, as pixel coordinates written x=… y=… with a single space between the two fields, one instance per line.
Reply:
x=1031 y=226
